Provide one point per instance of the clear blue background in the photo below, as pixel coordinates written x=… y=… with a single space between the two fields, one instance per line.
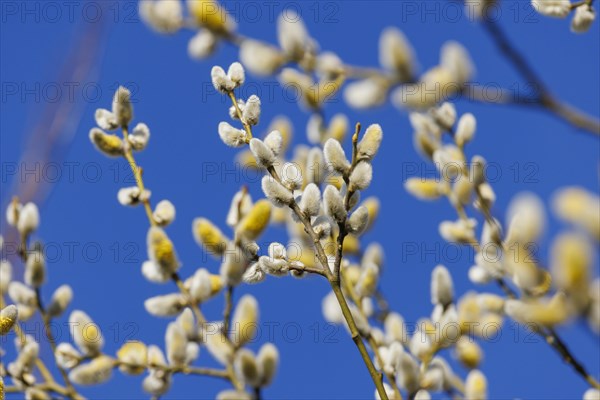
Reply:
x=174 y=98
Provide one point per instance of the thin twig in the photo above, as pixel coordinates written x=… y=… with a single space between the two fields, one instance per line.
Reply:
x=71 y=391
x=183 y=369
x=228 y=308
x=544 y=99
x=137 y=172
x=335 y=286
x=554 y=340
x=546 y=102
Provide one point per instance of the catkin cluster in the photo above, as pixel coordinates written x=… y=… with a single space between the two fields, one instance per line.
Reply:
x=317 y=192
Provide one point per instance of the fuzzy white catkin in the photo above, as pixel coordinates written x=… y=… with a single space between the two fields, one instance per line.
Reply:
x=236 y=74
x=395 y=328
x=442 y=289
x=21 y=294
x=552 y=8
x=277 y=193
x=262 y=153
x=86 y=334
x=251 y=112
x=106 y=119
x=315 y=166
x=302 y=82
x=335 y=157
x=390 y=355
x=176 y=344
x=579 y=207
x=396 y=53
x=241 y=204
x=5 y=275
x=61 y=298
x=373 y=254
x=260 y=58
x=154 y=273
x=231 y=136
x=165 y=16
x=8 y=317
x=66 y=355
x=164 y=213
x=583 y=18
x=244 y=320
x=274 y=141
x=446 y=114
x=366 y=93
x=361 y=176
x=422 y=395
x=322 y=226
x=220 y=80
x=187 y=322
x=273 y=266
x=455 y=59
x=334 y=204
x=331 y=309
x=233 y=395
x=277 y=251
x=29 y=219
x=254 y=274
x=156 y=385
x=132 y=354
x=291 y=175
x=423 y=122
x=408 y=376
x=216 y=344
x=465 y=129
x=138 y=138
x=477 y=170
x=165 y=305
x=358 y=220
x=461 y=231
x=233 y=265
x=202 y=45
x=161 y=250
x=121 y=106
x=109 y=145
x=35 y=269
x=95 y=372
x=479 y=275
x=367 y=282
x=268 y=362
x=526 y=218
x=156 y=356
x=591 y=394
x=315 y=129
x=329 y=64
x=12 y=213
x=130 y=196
x=246 y=367
x=476 y=386
x=201 y=287
x=546 y=313
x=433 y=379
x=370 y=143
x=310 y=202
x=449 y=161
x=292 y=34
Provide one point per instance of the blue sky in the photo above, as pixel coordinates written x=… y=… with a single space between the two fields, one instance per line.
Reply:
x=533 y=151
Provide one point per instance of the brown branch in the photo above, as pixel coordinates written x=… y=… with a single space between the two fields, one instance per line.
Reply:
x=544 y=98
